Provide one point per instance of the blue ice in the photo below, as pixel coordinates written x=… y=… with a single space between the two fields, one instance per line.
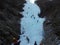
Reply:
x=31 y=25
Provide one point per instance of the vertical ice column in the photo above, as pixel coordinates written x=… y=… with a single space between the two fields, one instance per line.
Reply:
x=31 y=25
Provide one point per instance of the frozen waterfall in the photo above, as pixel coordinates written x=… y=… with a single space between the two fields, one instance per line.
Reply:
x=31 y=24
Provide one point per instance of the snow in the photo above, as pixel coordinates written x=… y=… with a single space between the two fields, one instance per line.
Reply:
x=31 y=1
x=31 y=25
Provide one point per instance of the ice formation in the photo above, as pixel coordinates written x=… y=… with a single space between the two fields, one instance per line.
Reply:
x=31 y=24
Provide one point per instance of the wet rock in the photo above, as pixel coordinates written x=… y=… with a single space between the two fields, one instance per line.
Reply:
x=10 y=20
x=50 y=9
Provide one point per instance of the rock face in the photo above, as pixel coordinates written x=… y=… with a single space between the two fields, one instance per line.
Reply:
x=50 y=9
x=9 y=20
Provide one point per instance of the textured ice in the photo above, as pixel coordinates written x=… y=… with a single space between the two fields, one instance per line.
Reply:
x=31 y=25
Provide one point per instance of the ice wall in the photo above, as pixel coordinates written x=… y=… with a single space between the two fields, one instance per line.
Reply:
x=31 y=25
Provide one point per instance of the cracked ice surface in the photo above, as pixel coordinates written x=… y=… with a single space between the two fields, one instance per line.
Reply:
x=31 y=25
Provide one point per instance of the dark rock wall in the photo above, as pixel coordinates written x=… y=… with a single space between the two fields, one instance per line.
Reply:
x=50 y=9
x=10 y=20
